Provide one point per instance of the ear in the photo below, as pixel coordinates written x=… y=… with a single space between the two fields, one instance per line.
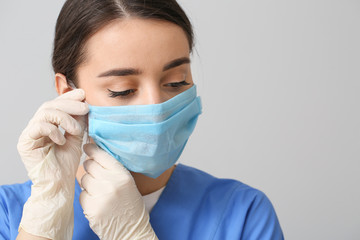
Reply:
x=61 y=84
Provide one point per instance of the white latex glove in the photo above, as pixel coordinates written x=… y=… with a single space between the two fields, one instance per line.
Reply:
x=111 y=200
x=51 y=159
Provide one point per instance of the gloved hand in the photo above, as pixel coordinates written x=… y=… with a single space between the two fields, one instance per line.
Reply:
x=111 y=200
x=51 y=159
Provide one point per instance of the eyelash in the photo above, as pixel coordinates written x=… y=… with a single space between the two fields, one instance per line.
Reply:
x=178 y=84
x=124 y=94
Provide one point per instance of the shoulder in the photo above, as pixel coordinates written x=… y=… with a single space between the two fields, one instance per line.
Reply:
x=14 y=196
x=240 y=208
x=213 y=185
x=16 y=191
x=12 y=199
x=251 y=212
x=231 y=190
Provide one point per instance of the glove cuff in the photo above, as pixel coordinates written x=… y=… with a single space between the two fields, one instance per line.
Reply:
x=49 y=217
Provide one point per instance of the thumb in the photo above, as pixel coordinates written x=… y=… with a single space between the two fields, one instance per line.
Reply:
x=82 y=120
x=103 y=158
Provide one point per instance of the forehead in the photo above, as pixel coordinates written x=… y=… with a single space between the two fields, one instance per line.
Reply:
x=136 y=41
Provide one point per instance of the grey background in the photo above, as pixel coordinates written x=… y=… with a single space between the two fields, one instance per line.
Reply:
x=280 y=87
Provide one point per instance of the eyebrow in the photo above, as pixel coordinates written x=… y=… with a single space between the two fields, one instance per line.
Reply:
x=132 y=71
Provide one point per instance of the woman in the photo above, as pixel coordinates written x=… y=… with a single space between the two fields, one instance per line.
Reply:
x=122 y=72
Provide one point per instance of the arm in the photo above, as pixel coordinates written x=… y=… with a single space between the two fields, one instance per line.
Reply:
x=51 y=159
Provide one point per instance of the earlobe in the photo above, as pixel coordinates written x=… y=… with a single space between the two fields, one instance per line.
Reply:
x=61 y=84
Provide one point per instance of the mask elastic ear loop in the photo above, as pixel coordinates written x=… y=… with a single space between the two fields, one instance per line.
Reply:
x=87 y=127
x=86 y=133
x=86 y=139
x=71 y=84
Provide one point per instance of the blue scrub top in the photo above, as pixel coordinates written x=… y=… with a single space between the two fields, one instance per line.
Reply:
x=193 y=205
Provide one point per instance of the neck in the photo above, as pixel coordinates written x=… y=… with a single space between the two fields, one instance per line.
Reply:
x=145 y=185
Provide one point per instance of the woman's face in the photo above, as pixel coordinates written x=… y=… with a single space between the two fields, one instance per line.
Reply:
x=135 y=62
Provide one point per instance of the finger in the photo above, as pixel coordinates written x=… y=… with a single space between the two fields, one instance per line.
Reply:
x=45 y=129
x=82 y=123
x=85 y=201
x=68 y=123
x=76 y=94
x=91 y=185
x=69 y=106
x=94 y=168
x=102 y=157
x=82 y=120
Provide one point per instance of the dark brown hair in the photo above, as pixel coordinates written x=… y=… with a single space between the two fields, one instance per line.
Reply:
x=80 y=19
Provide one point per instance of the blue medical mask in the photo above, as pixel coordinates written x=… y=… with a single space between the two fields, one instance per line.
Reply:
x=147 y=139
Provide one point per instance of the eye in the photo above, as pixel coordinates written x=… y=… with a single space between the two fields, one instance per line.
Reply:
x=177 y=84
x=123 y=94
